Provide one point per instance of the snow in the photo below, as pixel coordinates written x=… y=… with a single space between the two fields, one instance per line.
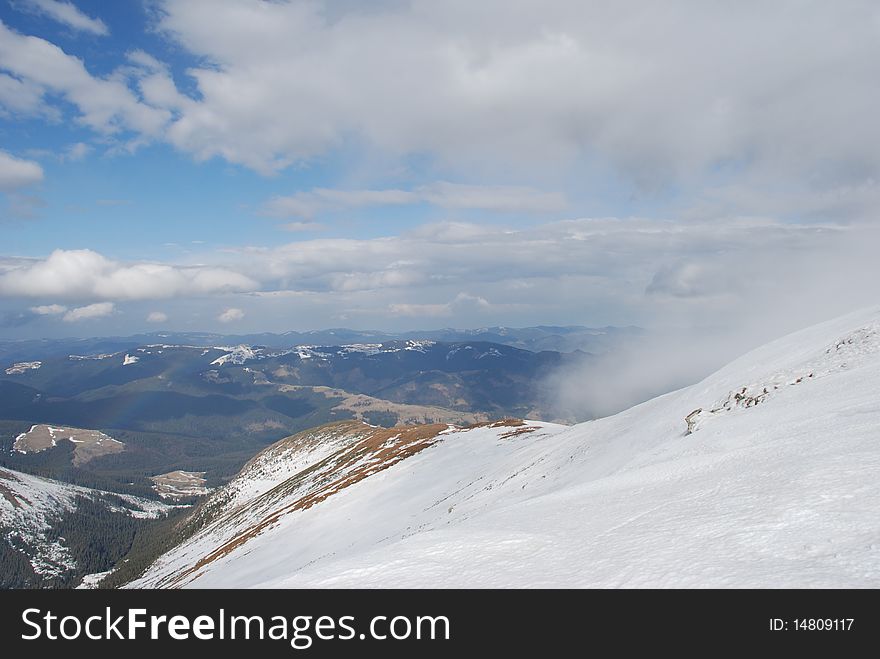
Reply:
x=364 y=348
x=279 y=463
x=369 y=349
x=235 y=355
x=775 y=489
x=180 y=484
x=419 y=345
x=39 y=502
x=91 y=581
x=22 y=367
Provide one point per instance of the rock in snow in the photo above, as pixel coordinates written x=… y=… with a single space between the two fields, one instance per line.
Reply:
x=777 y=484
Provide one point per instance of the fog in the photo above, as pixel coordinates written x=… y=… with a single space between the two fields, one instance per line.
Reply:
x=777 y=293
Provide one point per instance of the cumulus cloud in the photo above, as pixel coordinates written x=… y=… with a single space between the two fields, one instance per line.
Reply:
x=687 y=94
x=67 y=14
x=660 y=92
x=617 y=252
x=231 y=315
x=106 y=105
x=16 y=173
x=23 y=97
x=89 y=312
x=765 y=154
x=442 y=194
x=618 y=271
x=157 y=317
x=85 y=274
x=624 y=271
x=48 y=309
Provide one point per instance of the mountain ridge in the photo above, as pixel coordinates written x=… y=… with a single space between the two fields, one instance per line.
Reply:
x=782 y=492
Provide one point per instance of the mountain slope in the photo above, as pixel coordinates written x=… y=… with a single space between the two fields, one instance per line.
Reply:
x=774 y=482
x=53 y=533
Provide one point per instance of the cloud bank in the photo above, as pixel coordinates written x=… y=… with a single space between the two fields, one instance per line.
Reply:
x=678 y=92
x=85 y=274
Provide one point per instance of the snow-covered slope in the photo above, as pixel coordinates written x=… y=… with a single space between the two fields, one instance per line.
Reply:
x=31 y=506
x=775 y=482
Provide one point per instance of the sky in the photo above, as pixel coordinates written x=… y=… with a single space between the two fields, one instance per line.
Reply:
x=252 y=165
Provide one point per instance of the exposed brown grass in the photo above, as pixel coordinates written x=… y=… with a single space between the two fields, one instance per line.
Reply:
x=525 y=430
x=88 y=444
x=378 y=450
x=361 y=405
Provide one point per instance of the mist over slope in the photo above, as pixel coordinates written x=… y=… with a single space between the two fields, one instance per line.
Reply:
x=773 y=481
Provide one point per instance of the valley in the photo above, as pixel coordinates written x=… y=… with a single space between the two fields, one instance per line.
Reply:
x=171 y=422
x=152 y=409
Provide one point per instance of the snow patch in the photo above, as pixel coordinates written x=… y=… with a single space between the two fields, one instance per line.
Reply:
x=236 y=355
x=23 y=367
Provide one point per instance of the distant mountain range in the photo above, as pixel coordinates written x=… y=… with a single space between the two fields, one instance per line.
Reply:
x=555 y=338
x=207 y=403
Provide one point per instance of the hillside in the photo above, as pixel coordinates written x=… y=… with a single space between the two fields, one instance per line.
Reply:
x=54 y=534
x=168 y=407
x=773 y=481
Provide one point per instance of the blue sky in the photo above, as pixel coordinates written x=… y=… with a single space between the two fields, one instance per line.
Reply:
x=265 y=166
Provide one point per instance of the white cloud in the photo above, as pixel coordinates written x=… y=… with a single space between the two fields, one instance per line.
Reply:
x=76 y=151
x=16 y=173
x=106 y=105
x=625 y=271
x=231 y=315
x=85 y=274
x=660 y=92
x=608 y=270
x=442 y=194
x=684 y=94
x=88 y=312
x=67 y=14
x=23 y=97
x=157 y=317
x=49 y=309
